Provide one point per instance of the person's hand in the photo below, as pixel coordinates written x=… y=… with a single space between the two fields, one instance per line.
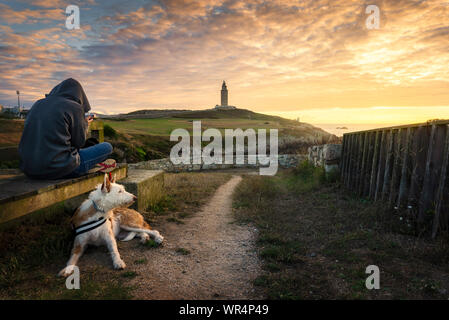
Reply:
x=89 y=119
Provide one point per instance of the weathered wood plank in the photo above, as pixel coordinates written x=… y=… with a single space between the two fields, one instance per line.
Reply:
x=343 y=157
x=369 y=160
x=29 y=201
x=381 y=166
x=374 y=166
x=426 y=185
x=349 y=151
x=351 y=162
x=419 y=154
x=441 y=186
x=388 y=165
x=405 y=181
x=395 y=175
x=364 y=163
x=358 y=161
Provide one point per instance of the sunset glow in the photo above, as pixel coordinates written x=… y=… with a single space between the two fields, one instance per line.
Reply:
x=316 y=60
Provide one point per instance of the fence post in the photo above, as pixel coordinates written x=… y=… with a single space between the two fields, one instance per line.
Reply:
x=374 y=165
x=361 y=188
x=404 y=185
x=425 y=192
x=388 y=160
x=380 y=166
x=441 y=185
x=394 y=185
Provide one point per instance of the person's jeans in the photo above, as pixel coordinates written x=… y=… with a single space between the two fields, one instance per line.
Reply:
x=89 y=157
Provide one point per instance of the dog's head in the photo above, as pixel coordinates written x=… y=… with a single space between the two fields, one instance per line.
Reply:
x=110 y=195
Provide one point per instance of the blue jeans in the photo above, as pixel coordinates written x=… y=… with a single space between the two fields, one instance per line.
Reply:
x=89 y=157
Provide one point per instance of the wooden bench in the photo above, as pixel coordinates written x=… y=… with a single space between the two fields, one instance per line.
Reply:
x=20 y=195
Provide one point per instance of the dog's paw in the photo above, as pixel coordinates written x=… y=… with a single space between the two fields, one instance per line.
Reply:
x=144 y=238
x=158 y=238
x=67 y=271
x=119 y=264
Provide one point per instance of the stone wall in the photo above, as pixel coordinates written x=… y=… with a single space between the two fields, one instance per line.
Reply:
x=326 y=155
x=284 y=161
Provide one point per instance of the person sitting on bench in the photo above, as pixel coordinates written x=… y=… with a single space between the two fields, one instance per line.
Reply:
x=53 y=143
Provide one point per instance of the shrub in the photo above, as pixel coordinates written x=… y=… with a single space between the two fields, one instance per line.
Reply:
x=307 y=177
x=12 y=164
x=109 y=131
x=141 y=153
x=305 y=170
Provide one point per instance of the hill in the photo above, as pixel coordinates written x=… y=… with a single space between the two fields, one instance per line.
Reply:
x=145 y=134
x=151 y=134
x=230 y=114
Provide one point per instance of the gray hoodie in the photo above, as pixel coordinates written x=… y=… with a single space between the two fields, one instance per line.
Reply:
x=55 y=129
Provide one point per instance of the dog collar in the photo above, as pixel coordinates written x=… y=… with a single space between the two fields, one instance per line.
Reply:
x=96 y=207
x=89 y=226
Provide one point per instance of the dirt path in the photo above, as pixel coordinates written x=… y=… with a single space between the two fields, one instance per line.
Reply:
x=222 y=262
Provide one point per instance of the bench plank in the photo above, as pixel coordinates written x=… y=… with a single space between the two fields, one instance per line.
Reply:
x=21 y=195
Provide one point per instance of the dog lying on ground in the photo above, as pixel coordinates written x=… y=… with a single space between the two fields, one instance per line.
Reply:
x=101 y=217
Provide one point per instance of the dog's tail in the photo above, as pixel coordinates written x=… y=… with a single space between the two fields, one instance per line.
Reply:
x=153 y=233
x=129 y=236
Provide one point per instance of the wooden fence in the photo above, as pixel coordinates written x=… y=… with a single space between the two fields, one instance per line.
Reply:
x=405 y=167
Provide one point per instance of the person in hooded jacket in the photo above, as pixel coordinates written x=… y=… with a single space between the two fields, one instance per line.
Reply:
x=55 y=132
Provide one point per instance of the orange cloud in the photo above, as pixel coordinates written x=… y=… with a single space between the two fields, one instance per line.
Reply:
x=289 y=57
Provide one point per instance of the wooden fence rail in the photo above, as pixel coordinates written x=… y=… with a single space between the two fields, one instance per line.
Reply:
x=405 y=167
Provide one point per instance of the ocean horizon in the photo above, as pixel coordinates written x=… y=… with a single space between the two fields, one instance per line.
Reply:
x=341 y=128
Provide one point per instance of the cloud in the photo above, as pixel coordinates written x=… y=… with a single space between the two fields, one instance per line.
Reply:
x=29 y=16
x=275 y=55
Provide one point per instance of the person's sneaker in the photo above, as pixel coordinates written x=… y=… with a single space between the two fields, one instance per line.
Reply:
x=106 y=166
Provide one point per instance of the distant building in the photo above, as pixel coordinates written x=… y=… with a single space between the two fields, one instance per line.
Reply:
x=15 y=111
x=224 y=95
x=23 y=114
x=224 y=99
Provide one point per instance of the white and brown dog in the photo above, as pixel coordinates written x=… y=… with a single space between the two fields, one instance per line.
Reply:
x=101 y=217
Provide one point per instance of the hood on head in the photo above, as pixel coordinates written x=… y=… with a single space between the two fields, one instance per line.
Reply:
x=71 y=89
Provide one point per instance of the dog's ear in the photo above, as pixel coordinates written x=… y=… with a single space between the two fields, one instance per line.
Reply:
x=106 y=186
x=113 y=178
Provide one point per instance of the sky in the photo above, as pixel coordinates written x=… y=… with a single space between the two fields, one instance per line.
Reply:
x=313 y=59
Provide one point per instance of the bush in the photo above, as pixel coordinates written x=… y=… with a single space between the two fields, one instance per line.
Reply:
x=109 y=131
x=12 y=164
x=305 y=170
x=307 y=177
x=141 y=153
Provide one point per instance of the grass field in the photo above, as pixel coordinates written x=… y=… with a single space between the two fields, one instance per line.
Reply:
x=316 y=241
x=164 y=126
x=10 y=132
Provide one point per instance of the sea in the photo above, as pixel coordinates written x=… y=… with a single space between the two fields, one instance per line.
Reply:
x=341 y=128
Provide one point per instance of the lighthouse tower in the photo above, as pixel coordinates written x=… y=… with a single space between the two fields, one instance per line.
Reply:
x=224 y=95
x=224 y=99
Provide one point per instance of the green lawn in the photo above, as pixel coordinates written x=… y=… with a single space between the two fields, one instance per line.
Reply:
x=164 y=126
